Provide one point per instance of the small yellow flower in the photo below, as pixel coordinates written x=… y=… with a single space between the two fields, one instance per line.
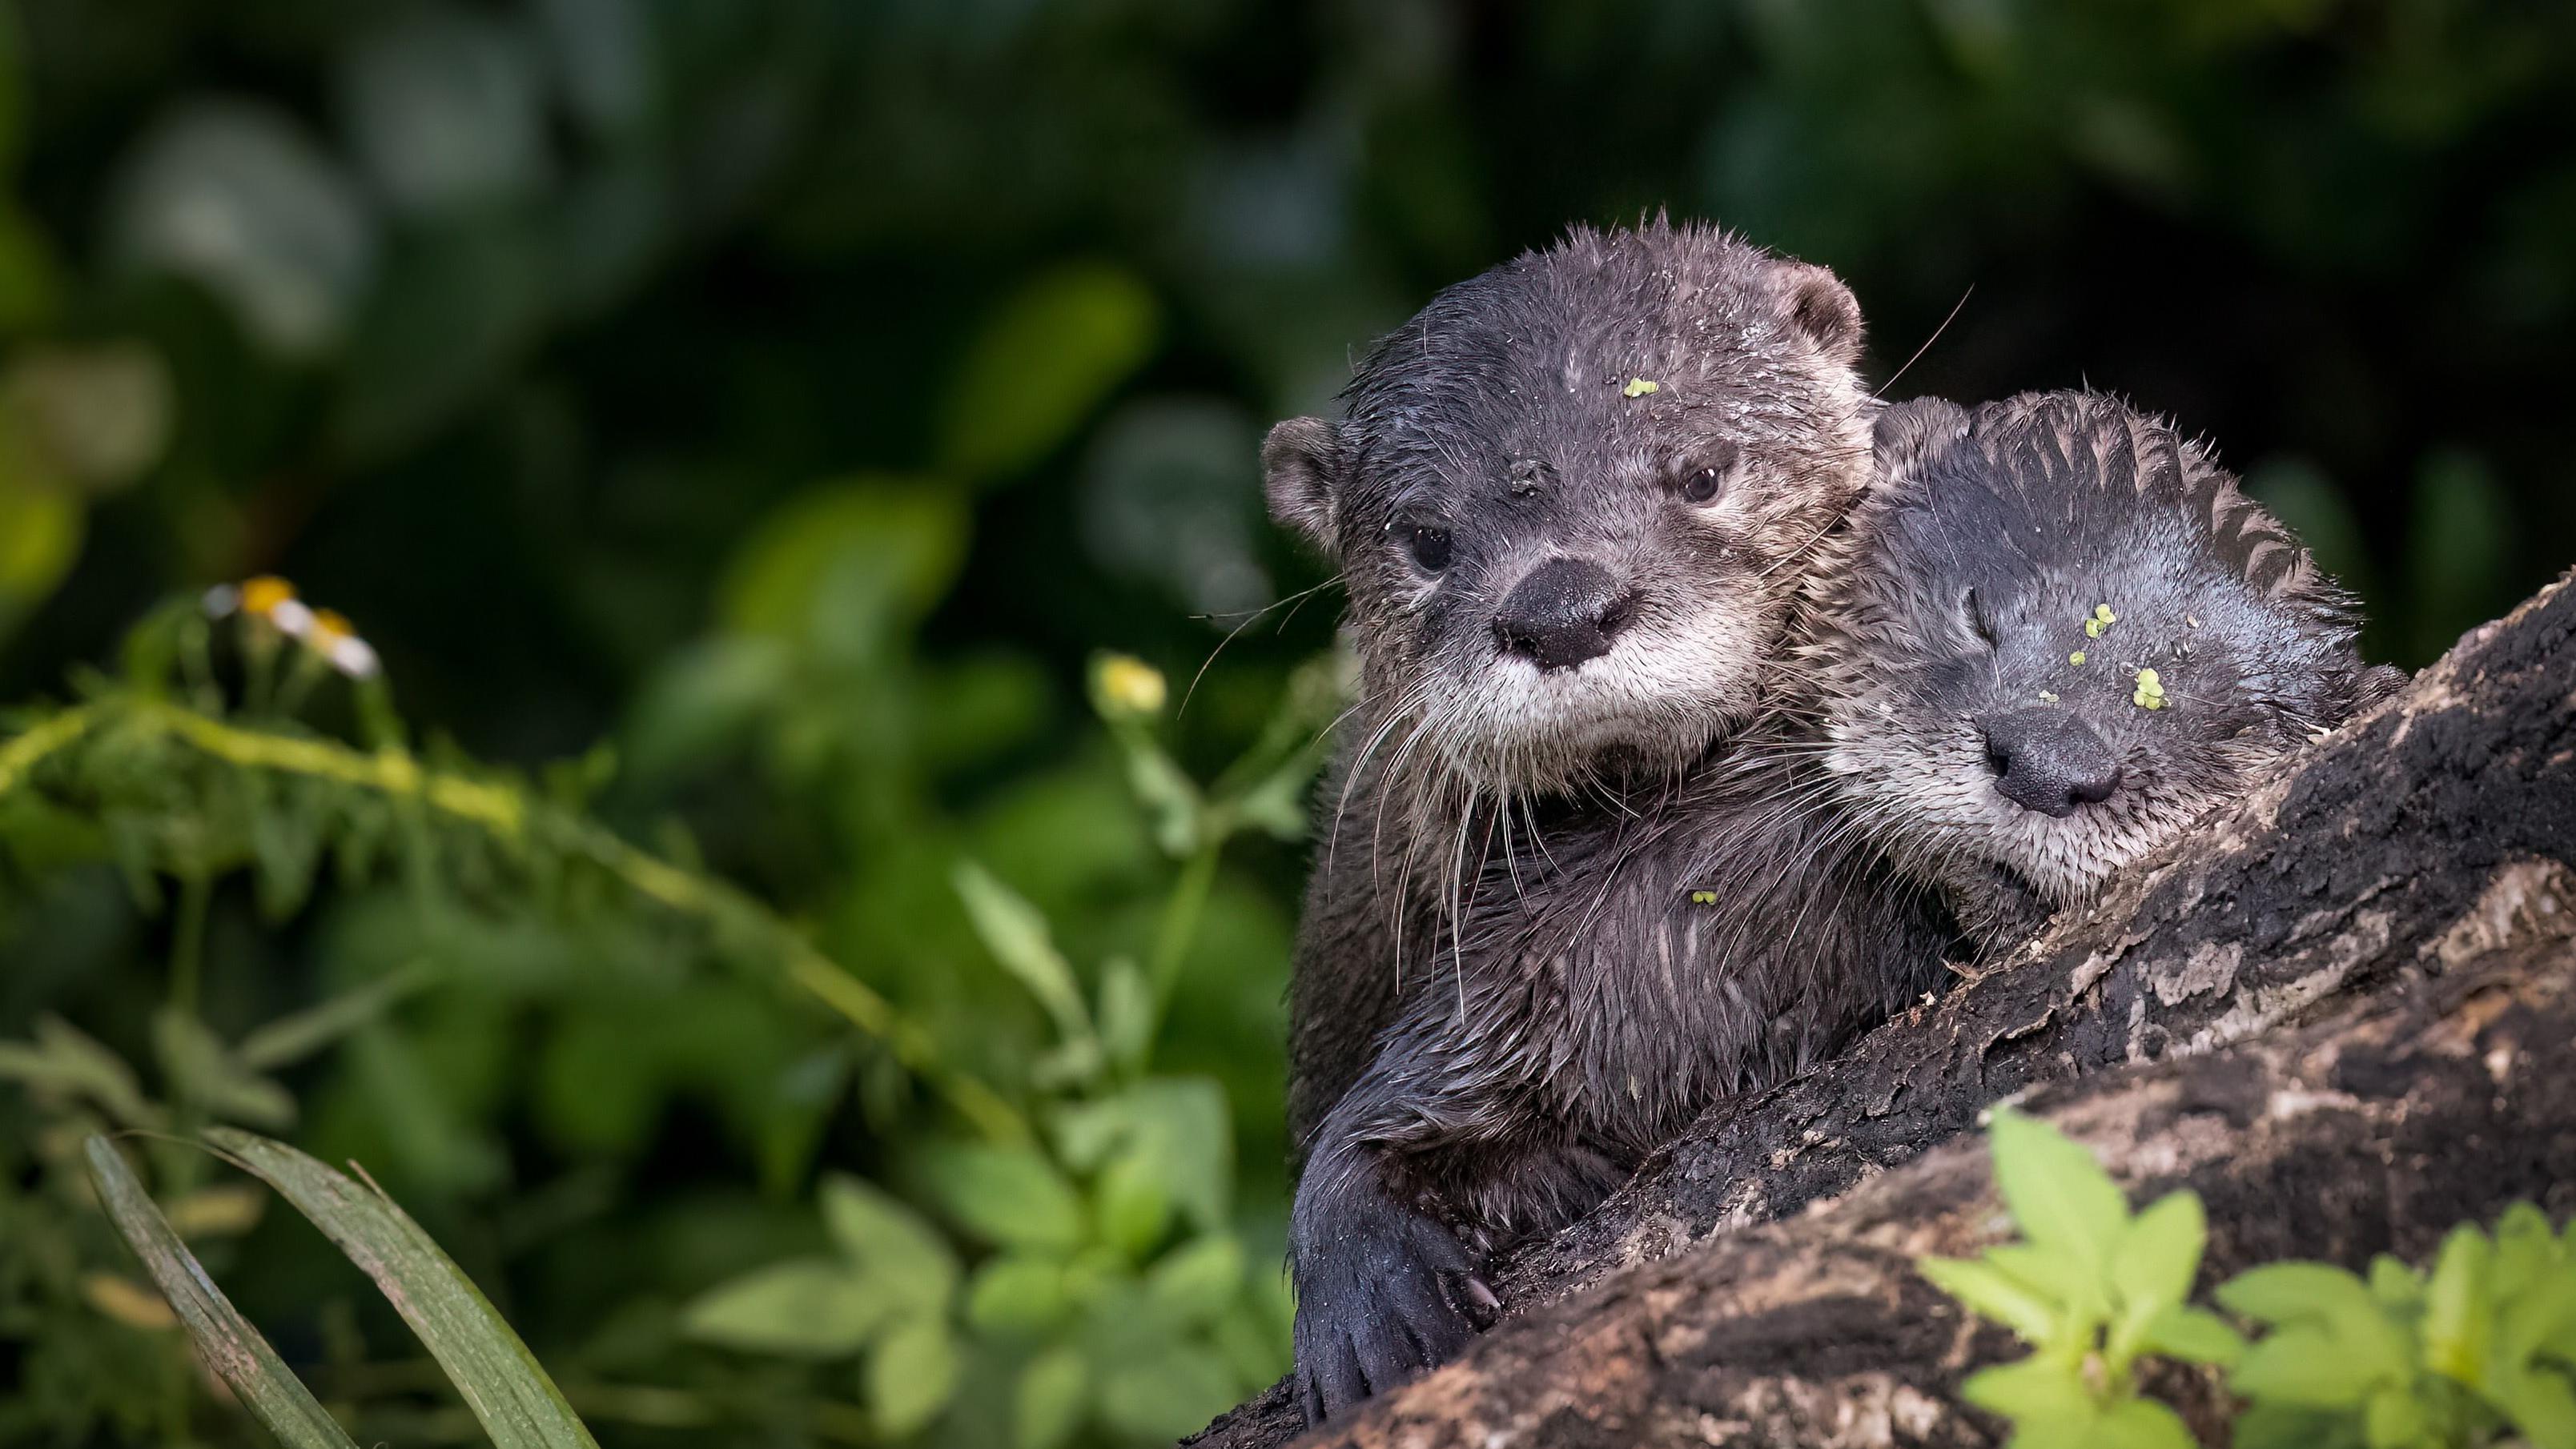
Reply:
x=261 y=597
x=1127 y=685
x=330 y=635
x=2076 y=658
x=1638 y=387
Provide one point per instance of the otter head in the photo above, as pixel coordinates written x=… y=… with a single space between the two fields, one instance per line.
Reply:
x=1572 y=498
x=2067 y=637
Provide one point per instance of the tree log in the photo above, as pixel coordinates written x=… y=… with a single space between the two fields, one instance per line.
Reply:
x=2435 y=831
x=2375 y=1132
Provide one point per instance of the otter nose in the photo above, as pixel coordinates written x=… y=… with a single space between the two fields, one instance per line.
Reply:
x=1565 y=612
x=2048 y=760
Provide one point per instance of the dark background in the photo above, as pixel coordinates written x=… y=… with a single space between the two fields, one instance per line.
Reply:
x=790 y=398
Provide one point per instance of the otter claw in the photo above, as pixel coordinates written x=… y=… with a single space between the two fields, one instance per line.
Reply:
x=1384 y=1292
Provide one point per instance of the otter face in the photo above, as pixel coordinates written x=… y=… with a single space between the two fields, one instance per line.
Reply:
x=1574 y=497
x=2068 y=638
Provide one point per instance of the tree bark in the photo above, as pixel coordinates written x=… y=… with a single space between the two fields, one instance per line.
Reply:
x=2338 y=902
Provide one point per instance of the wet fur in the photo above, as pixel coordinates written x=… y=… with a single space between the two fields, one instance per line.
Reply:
x=2047 y=505
x=1502 y=996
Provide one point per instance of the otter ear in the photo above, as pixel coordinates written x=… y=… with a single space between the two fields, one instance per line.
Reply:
x=2377 y=683
x=1911 y=434
x=1297 y=474
x=1821 y=309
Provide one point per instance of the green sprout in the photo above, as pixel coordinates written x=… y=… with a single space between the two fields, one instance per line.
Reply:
x=2150 y=693
x=2091 y=1288
x=1638 y=387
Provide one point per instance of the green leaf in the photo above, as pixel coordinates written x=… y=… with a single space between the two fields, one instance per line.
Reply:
x=204 y=1071
x=2140 y=1424
x=1017 y=935
x=1171 y=799
x=845 y=566
x=2057 y=1275
x=2526 y=1247
x=1179 y=1134
x=2540 y=1312
x=1017 y=1293
x=2457 y=1317
x=518 y=1406
x=1132 y=1206
x=2059 y=1195
x=1167 y=1395
x=1007 y=1195
x=2295 y=1292
x=1046 y=360
x=1198 y=1280
x=896 y=1249
x=1988 y=1290
x=2395 y=1284
x=225 y=1340
x=2305 y=1364
x=1126 y=1014
x=1047 y=1405
x=2193 y=1335
x=2033 y=1393
x=2541 y=1405
x=2393 y=1420
x=64 y=1061
x=290 y=1039
x=2292 y=1426
x=2154 y=1261
x=818 y=1308
x=912 y=1375
x=238 y=198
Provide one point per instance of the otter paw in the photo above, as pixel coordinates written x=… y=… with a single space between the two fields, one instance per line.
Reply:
x=1384 y=1292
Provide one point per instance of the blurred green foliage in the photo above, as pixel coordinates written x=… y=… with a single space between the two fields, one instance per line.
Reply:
x=740 y=424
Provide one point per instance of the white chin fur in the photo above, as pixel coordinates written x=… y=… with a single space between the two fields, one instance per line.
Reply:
x=1947 y=803
x=1659 y=696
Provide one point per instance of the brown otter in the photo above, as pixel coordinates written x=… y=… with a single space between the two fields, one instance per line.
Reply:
x=2067 y=636
x=1576 y=501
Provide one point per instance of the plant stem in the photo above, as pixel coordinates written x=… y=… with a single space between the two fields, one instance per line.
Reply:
x=20 y=756
x=503 y=810
x=1180 y=924
x=188 y=939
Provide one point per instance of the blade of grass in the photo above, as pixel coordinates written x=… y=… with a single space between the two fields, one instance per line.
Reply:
x=519 y=1407
x=224 y=1339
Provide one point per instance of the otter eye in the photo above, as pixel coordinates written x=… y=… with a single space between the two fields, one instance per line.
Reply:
x=1428 y=544
x=1703 y=478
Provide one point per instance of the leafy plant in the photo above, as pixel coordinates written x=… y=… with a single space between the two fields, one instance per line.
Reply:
x=1076 y=1246
x=2482 y=1346
x=2092 y=1289
x=1112 y=1288
x=2480 y=1350
x=518 y=1406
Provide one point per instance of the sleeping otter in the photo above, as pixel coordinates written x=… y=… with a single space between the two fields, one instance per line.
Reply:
x=1577 y=502
x=2068 y=637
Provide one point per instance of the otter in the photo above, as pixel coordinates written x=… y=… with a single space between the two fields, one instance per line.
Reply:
x=1576 y=503
x=2067 y=635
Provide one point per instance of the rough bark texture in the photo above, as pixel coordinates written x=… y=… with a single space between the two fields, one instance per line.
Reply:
x=2438 y=832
